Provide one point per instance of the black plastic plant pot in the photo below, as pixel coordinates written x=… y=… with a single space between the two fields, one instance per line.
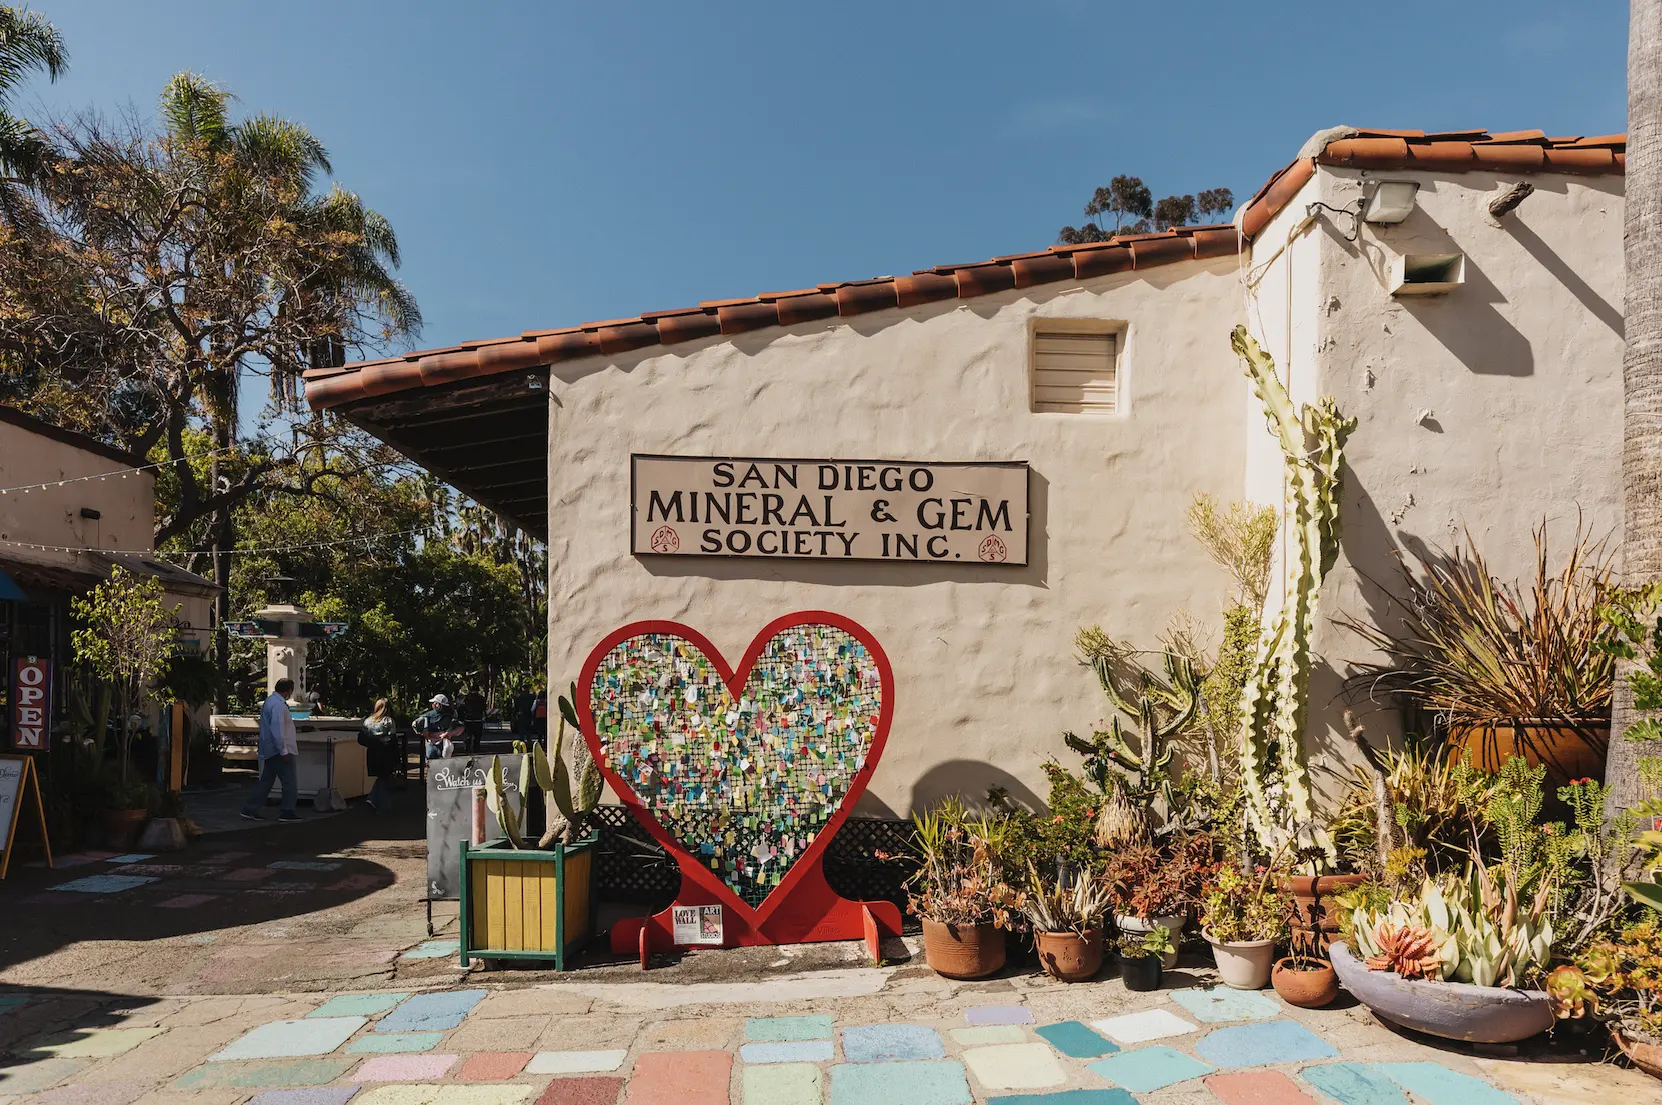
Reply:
x=1141 y=973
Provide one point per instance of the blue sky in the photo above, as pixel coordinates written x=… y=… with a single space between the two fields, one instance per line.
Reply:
x=546 y=164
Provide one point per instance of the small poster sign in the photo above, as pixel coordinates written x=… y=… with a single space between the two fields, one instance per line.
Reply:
x=17 y=782
x=31 y=702
x=697 y=924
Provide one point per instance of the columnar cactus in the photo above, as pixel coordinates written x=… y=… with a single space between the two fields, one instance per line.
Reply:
x=1161 y=707
x=1276 y=694
x=547 y=771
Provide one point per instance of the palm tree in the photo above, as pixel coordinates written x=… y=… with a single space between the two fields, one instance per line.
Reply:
x=1642 y=361
x=27 y=42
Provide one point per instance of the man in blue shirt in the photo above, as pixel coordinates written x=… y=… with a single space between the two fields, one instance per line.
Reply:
x=278 y=751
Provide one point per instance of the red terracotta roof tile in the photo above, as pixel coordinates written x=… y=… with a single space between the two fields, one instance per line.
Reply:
x=1443 y=151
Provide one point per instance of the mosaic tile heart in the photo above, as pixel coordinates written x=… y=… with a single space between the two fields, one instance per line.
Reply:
x=742 y=769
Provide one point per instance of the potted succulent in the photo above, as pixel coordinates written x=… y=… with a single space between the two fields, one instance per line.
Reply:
x=1067 y=915
x=958 y=891
x=1454 y=959
x=1242 y=918
x=126 y=809
x=1304 y=978
x=1619 y=981
x=1141 y=956
x=1155 y=885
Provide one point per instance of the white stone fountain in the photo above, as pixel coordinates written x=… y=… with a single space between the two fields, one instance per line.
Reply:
x=331 y=761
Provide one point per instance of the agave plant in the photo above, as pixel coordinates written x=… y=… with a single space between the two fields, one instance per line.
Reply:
x=1412 y=951
x=1063 y=904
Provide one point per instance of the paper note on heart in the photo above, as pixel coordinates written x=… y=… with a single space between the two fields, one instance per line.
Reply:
x=741 y=776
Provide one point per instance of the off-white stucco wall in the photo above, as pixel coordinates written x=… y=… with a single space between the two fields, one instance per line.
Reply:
x=1489 y=408
x=983 y=658
x=52 y=515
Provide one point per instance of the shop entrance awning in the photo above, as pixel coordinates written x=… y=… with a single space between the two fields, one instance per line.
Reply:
x=9 y=590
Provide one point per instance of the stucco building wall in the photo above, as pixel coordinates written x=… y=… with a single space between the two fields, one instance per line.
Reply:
x=1490 y=408
x=51 y=515
x=986 y=677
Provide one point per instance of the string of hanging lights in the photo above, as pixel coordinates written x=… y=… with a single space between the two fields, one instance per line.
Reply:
x=119 y=473
x=365 y=540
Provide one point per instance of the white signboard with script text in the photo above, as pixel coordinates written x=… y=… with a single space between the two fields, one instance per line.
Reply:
x=907 y=511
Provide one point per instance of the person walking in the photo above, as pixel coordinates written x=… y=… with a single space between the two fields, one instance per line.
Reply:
x=439 y=728
x=278 y=751
x=380 y=754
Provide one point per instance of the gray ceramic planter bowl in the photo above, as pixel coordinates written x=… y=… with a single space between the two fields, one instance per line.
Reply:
x=1452 y=1010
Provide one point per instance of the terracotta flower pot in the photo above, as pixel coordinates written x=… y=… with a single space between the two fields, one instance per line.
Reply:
x=1315 y=894
x=1307 y=989
x=963 y=951
x=1242 y=964
x=1136 y=926
x=1571 y=749
x=1647 y=1057
x=121 y=828
x=1140 y=973
x=1070 y=957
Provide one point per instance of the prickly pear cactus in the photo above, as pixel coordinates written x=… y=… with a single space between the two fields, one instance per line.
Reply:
x=1275 y=698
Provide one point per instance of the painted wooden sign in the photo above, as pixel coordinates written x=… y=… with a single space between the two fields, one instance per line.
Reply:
x=744 y=773
x=899 y=510
x=31 y=702
x=17 y=782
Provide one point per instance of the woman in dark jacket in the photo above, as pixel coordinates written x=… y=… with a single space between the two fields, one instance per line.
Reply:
x=381 y=756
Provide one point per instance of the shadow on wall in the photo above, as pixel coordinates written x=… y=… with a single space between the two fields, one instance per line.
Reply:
x=1468 y=322
x=878 y=573
x=970 y=780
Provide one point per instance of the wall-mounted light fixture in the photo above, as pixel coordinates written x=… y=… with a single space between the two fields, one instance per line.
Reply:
x=1389 y=201
x=90 y=514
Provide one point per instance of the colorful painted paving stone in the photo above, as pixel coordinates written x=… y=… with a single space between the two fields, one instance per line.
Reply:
x=317 y=1095
x=999 y=1014
x=584 y=1091
x=187 y=901
x=1257 y=1087
x=787 y=1051
x=282 y=1039
x=357 y=1005
x=302 y=865
x=1076 y=1040
x=785 y=1084
x=1353 y=1084
x=437 y=1012
x=686 y=1077
x=104 y=884
x=1441 y=1086
x=93 y=1093
x=1257 y=1045
x=433 y=949
x=1066 y=1097
x=1222 y=1003
x=493 y=1066
x=259 y=1076
x=91 y=1043
x=788 y=1028
x=130 y=857
x=575 y=1062
x=1149 y=1068
x=22 y=1078
x=1138 y=1028
x=915 y=1083
x=744 y=784
x=404 y=1068
x=246 y=874
x=160 y=870
x=1015 y=1066
x=440 y=1094
x=8 y=1002
x=982 y=1035
x=394 y=1043
x=885 y=1043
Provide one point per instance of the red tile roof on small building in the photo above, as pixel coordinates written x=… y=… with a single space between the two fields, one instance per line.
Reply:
x=1448 y=151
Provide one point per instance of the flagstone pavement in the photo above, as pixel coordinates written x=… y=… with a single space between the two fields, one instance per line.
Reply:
x=870 y=1036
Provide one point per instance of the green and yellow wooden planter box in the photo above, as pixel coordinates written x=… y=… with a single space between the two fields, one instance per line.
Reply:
x=527 y=903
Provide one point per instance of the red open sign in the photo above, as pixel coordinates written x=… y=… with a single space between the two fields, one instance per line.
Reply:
x=31 y=702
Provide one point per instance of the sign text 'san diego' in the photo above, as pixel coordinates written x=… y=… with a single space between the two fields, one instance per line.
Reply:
x=829 y=509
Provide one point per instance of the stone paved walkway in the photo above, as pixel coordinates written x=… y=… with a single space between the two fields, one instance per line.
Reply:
x=853 y=1037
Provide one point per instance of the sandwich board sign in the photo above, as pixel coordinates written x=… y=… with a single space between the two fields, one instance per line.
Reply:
x=17 y=779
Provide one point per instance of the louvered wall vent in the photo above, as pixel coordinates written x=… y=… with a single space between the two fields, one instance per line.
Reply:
x=1075 y=371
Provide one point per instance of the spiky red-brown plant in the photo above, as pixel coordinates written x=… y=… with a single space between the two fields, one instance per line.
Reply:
x=1409 y=950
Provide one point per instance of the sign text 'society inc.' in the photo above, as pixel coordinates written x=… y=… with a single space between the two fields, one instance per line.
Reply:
x=914 y=511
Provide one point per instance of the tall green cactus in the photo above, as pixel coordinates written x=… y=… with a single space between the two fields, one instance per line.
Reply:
x=1275 y=699
x=548 y=773
x=1161 y=707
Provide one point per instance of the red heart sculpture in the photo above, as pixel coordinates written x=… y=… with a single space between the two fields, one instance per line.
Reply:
x=679 y=736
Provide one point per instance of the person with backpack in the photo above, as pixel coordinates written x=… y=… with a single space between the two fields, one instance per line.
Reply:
x=439 y=727
x=378 y=735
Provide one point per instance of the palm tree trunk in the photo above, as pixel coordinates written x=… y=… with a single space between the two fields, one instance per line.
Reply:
x=1641 y=364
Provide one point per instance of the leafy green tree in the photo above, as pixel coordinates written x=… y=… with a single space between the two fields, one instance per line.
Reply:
x=1126 y=206
x=127 y=640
